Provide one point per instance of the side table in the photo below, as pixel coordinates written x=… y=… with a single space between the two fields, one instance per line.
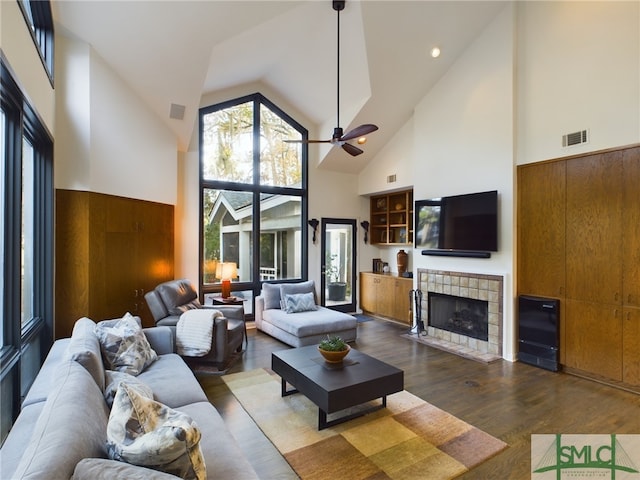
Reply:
x=233 y=301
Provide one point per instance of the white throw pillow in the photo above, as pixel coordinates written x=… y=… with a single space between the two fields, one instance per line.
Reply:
x=113 y=379
x=147 y=433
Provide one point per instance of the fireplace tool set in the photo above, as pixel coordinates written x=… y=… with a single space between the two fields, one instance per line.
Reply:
x=415 y=311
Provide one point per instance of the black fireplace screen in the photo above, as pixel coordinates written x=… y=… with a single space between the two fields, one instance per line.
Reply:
x=465 y=316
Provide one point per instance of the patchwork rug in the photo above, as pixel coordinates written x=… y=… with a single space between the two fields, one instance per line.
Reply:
x=410 y=439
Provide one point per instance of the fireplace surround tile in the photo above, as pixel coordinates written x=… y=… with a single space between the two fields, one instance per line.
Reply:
x=467 y=285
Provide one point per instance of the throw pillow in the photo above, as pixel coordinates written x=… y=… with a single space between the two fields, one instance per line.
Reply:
x=124 y=346
x=147 y=433
x=299 y=302
x=113 y=379
x=271 y=295
x=300 y=287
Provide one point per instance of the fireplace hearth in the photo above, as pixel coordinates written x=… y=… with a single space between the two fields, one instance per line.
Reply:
x=465 y=316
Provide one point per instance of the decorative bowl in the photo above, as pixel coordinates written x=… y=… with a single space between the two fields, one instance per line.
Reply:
x=333 y=356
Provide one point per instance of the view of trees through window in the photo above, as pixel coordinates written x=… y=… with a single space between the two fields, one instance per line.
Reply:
x=253 y=193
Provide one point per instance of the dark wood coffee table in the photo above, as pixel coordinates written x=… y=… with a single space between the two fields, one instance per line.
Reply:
x=332 y=388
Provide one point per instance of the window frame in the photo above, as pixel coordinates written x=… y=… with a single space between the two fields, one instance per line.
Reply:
x=39 y=19
x=256 y=189
x=22 y=122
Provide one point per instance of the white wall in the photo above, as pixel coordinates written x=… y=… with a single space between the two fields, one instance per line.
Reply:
x=578 y=68
x=112 y=143
x=24 y=61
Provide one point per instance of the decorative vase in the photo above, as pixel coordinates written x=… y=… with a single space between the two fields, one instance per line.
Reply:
x=401 y=259
x=331 y=356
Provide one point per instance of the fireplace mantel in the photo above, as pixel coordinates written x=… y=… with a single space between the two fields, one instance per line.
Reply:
x=466 y=285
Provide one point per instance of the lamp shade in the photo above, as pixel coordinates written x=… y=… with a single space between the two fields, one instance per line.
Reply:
x=226 y=270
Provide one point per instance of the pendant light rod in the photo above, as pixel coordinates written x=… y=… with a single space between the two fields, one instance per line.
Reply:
x=337 y=6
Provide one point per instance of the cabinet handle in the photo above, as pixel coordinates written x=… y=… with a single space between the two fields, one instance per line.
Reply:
x=615 y=312
x=616 y=296
x=629 y=298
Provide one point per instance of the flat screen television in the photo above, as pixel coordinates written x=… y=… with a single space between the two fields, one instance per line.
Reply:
x=457 y=224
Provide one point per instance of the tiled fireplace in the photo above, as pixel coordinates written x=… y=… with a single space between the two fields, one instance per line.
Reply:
x=480 y=291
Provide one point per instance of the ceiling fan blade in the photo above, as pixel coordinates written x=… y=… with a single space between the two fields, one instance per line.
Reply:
x=351 y=149
x=307 y=141
x=359 y=131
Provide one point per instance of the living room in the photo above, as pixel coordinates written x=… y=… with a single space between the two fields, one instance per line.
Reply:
x=535 y=72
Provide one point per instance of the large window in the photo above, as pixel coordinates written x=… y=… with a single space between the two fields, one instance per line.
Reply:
x=253 y=193
x=26 y=246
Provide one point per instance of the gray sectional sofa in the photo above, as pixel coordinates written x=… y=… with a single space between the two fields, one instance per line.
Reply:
x=61 y=431
x=300 y=328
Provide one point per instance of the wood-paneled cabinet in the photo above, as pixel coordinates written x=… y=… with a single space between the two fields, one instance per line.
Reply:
x=391 y=221
x=597 y=272
x=109 y=251
x=385 y=295
x=541 y=229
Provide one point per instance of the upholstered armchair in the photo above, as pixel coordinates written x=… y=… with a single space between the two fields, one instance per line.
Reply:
x=171 y=299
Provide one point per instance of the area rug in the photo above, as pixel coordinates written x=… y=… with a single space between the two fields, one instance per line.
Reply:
x=410 y=439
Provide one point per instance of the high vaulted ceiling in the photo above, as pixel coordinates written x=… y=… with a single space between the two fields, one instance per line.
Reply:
x=178 y=51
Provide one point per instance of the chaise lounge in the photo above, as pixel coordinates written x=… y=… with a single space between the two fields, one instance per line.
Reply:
x=288 y=312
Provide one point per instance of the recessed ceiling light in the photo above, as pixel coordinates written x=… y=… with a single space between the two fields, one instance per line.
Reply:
x=435 y=52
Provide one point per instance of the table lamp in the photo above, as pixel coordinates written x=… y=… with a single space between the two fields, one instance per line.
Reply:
x=225 y=271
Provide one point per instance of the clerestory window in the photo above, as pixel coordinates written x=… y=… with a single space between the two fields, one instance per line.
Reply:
x=253 y=196
x=37 y=14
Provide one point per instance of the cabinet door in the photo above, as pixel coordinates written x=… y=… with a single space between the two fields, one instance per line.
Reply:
x=402 y=305
x=631 y=346
x=384 y=296
x=594 y=338
x=631 y=222
x=367 y=292
x=594 y=228
x=541 y=229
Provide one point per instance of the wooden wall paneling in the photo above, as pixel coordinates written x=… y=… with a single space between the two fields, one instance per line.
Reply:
x=594 y=338
x=594 y=228
x=71 y=261
x=631 y=221
x=631 y=346
x=541 y=229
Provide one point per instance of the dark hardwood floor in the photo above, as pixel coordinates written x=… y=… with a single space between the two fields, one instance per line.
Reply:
x=508 y=400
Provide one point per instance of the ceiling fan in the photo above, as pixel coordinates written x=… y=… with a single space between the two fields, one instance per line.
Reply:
x=339 y=138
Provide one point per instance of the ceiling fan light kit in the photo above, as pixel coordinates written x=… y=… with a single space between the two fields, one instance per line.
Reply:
x=339 y=138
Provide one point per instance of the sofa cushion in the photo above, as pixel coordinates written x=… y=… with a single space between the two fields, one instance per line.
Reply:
x=147 y=433
x=271 y=295
x=74 y=416
x=84 y=348
x=304 y=324
x=300 y=287
x=299 y=302
x=124 y=346
x=105 y=469
x=172 y=382
x=113 y=379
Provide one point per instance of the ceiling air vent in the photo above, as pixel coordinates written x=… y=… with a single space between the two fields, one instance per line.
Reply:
x=177 y=111
x=391 y=178
x=575 y=138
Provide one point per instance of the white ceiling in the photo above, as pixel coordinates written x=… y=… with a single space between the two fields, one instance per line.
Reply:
x=178 y=51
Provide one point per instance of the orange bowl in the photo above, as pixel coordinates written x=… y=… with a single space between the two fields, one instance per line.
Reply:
x=334 y=357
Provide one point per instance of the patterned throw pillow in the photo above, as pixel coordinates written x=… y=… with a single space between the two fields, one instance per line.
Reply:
x=299 y=302
x=124 y=346
x=147 y=433
x=113 y=380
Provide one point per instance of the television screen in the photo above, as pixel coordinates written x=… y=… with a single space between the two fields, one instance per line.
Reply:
x=462 y=222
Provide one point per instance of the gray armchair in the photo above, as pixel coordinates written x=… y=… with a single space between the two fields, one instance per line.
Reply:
x=171 y=299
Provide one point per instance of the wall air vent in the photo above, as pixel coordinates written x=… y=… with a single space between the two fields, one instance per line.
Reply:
x=391 y=178
x=177 y=111
x=575 y=138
